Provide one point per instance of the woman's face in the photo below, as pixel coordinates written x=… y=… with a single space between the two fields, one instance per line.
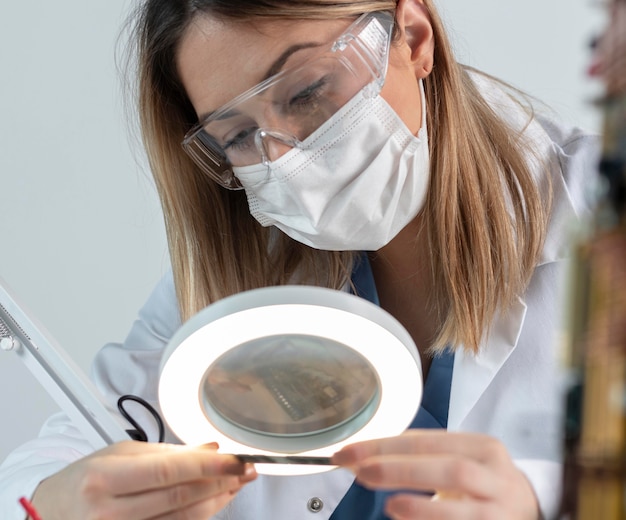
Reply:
x=217 y=60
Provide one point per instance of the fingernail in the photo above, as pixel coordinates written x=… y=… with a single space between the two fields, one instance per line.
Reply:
x=249 y=474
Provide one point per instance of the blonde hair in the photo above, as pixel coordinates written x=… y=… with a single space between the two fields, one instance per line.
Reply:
x=481 y=254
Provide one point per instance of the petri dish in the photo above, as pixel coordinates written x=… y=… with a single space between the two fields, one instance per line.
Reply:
x=290 y=385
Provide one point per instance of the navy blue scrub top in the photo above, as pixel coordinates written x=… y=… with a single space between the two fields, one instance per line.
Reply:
x=360 y=503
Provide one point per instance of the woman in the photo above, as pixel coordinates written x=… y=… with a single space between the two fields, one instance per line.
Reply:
x=387 y=163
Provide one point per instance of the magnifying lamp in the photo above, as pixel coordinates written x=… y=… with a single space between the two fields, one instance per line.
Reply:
x=289 y=371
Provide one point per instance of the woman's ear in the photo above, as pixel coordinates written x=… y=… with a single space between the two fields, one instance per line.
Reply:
x=413 y=22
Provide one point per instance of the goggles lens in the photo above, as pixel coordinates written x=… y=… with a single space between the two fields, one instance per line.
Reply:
x=287 y=108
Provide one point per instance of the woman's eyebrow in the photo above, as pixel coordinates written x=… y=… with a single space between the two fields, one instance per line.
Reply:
x=274 y=68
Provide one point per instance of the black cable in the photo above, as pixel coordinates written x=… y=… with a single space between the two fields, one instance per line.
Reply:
x=139 y=434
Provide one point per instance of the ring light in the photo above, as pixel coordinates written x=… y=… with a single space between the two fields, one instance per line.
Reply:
x=289 y=370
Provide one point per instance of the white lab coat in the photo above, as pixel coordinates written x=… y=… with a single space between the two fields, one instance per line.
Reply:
x=510 y=390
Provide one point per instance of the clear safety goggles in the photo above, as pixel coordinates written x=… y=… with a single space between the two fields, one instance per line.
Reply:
x=282 y=111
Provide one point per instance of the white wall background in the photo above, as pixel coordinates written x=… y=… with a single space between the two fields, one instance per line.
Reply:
x=81 y=236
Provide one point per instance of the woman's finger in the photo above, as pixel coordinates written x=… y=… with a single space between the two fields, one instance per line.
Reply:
x=201 y=510
x=132 y=447
x=451 y=474
x=409 y=507
x=129 y=474
x=481 y=448
x=181 y=497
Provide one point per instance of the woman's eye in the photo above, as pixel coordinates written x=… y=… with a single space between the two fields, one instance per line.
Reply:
x=309 y=95
x=241 y=140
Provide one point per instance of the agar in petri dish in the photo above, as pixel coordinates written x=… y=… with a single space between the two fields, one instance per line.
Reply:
x=290 y=385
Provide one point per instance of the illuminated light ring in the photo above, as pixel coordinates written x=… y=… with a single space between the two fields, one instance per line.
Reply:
x=314 y=311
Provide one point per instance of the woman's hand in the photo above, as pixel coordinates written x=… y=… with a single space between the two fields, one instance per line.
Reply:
x=472 y=475
x=138 y=480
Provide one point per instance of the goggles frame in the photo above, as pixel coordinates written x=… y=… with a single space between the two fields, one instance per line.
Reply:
x=369 y=36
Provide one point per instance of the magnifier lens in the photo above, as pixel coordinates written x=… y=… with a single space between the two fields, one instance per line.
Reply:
x=290 y=385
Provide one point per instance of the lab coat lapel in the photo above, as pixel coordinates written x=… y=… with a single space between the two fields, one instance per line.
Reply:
x=472 y=374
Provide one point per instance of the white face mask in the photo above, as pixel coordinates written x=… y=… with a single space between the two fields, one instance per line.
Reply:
x=353 y=185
